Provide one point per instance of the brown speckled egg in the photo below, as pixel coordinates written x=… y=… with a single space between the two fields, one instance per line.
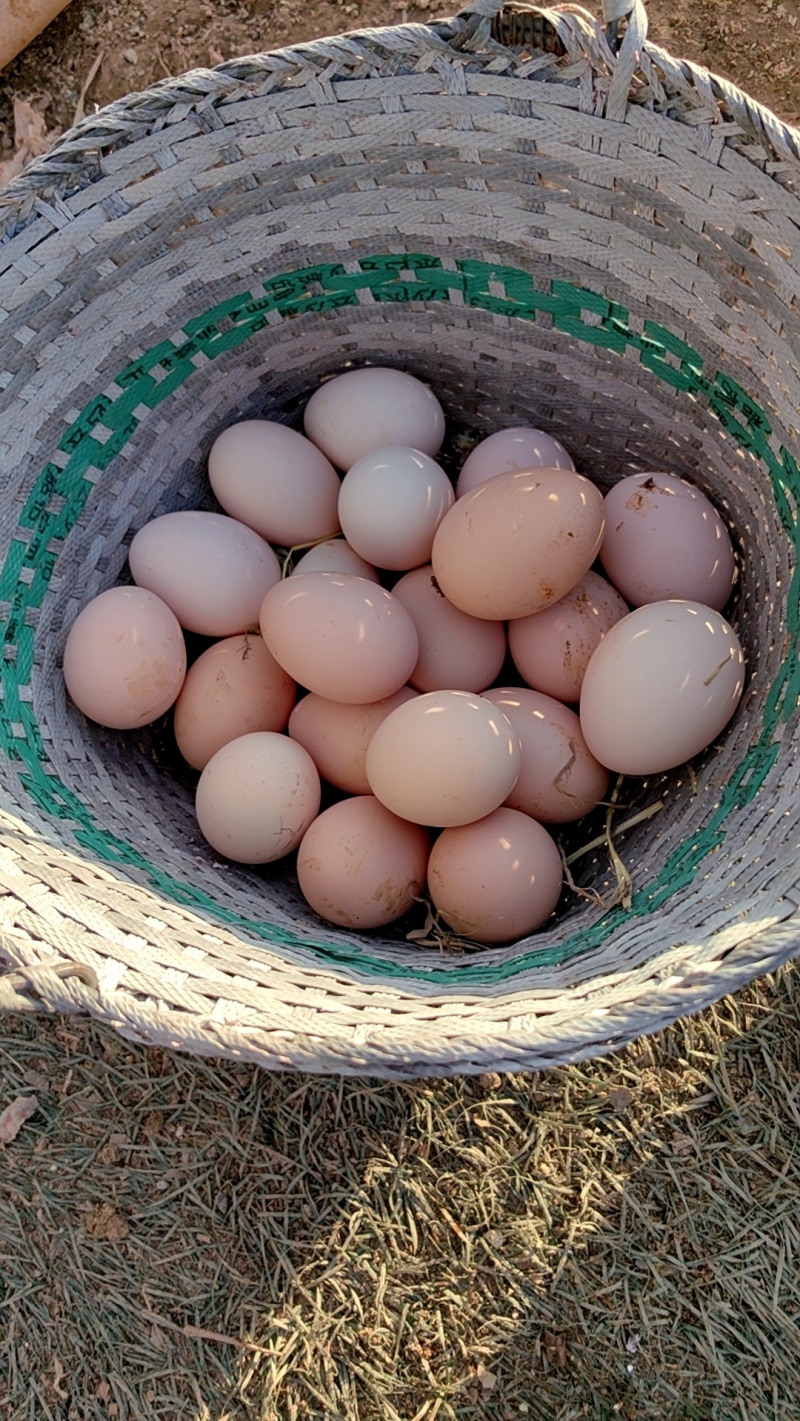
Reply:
x=518 y=542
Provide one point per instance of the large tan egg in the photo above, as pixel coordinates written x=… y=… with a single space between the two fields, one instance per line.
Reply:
x=232 y=689
x=124 y=658
x=276 y=481
x=518 y=542
x=211 y=570
x=445 y=758
x=456 y=652
x=560 y=780
x=496 y=880
x=337 y=735
x=363 y=410
x=359 y=866
x=341 y=636
x=257 y=796
x=552 y=648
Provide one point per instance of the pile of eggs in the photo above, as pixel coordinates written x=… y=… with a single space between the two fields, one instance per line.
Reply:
x=377 y=669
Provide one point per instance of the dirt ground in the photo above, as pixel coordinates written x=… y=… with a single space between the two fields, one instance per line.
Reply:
x=125 y=45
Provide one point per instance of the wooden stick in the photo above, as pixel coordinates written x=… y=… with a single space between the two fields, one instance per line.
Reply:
x=22 y=22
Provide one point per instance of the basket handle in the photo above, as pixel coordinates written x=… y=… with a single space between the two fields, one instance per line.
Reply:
x=580 y=34
x=583 y=37
x=613 y=11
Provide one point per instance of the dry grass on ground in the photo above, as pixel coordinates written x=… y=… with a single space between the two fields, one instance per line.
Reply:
x=194 y=1241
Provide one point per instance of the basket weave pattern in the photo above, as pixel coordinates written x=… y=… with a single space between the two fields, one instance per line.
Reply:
x=605 y=245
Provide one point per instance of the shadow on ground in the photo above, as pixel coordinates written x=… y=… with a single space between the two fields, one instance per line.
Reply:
x=199 y=1241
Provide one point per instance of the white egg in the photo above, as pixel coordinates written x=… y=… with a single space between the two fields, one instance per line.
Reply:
x=390 y=504
x=362 y=410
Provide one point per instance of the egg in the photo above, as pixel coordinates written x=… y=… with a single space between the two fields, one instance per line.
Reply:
x=233 y=688
x=341 y=636
x=660 y=687
x=551 y=648
x=456 y=652
x=559 y=780
x=445 y=758
x=391 y=503
x=496 y=880
x=276 y=481
x=518 y=542
x=257 y=796
x=337 y=735
x=335 y=555
x=664 y=539
x=211 y=570
x=362 y=410
x=508 y=449
x=359 y=866
x=124 y=658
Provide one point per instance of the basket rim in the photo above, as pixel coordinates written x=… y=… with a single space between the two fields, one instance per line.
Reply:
x=68 y=985
x=465 y=36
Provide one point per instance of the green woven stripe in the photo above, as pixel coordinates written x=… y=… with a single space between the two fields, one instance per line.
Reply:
x=103 y=427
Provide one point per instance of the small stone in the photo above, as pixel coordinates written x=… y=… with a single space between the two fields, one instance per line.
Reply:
x=682 y=1144
x=130 y=56
x=619 y=1098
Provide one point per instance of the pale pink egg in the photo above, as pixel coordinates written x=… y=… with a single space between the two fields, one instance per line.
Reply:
x=335 y=555
x=518 y=542
x=341 y=636
x=560 y=780
x=496 y=880
x=359 y=866
x=124 y=658
x=660 y=687
x=336 y=735
x=508 y=449
x=365 y=409
x=276 y=481
x=551 y=648
x=444 y=758
x=665 y=539
x=257 y=796
x=456 y=652
x=390 y=505
x=232 y=689
x=211 y=570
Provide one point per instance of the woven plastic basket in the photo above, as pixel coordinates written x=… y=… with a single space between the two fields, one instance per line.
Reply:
x=602 y=243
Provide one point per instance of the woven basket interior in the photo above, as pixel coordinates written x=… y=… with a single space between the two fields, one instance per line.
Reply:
x=500 y=246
